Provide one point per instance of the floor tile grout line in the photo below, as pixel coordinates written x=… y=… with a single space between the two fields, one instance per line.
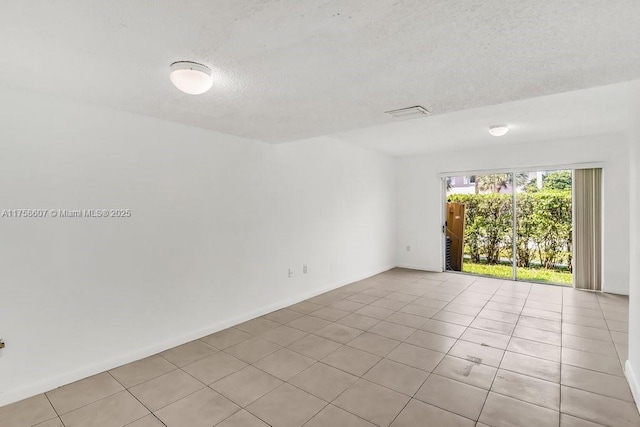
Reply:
x=436 y=367
x=589 y=338
x=279 y=385
x=519 y=316
x=596 y=393
x=150 y=414
x=611 y=335
x=97 y=400
x=242 y=408
x=171 y=403
x=590 y=369
x=369 y=331
x=560 y=383
x=398 y=310
x=561 y=351
x=362 y=377
x=90 y=403
x=136 y=398
x=432 y=373
x=343 y=344
x=498 y=369
x=352 y=385
x=331 y=404
x=54 y=409
x=190 y=363
x=324 y=363
x=318 y=397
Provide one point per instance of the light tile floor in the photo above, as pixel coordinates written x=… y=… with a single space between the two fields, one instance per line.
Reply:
x=403 y=348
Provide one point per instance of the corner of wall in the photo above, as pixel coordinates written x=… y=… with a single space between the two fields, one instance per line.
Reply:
x=632 y=379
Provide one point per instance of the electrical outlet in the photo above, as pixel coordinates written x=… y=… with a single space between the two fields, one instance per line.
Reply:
x=2 y=345
x=290 y=273
x=304 y=269
x=408 y=248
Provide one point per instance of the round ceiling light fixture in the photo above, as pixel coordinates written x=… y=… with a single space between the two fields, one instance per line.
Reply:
x=191 y=77
x=498 y=130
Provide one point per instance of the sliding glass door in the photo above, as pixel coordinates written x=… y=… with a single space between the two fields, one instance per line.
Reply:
x=544 y=232
x=515 y=225
x=480 y=241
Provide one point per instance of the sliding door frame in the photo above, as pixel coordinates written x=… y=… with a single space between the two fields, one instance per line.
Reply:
x=512 y=171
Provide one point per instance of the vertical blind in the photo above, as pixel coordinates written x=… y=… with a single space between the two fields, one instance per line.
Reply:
x=588 y=229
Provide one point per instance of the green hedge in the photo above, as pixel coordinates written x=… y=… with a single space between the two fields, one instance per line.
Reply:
x=543 y=227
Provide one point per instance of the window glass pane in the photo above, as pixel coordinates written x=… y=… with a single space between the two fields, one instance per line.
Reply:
x=480 y=225
x=544 y=227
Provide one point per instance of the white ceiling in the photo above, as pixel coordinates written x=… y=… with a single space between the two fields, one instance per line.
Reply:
x=593 y=111
x=294 y=69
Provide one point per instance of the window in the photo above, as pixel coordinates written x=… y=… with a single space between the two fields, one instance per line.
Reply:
x=503 y=225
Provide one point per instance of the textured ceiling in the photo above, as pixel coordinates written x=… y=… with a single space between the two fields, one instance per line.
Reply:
x=294 y=69
x=575 y=114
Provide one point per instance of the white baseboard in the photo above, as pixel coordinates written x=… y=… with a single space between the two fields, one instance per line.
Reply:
x=105 y=365
x=611 y=290
x=632 y=379
x=421 y=268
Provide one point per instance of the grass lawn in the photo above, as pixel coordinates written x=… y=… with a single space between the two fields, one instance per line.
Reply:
x=532 y=274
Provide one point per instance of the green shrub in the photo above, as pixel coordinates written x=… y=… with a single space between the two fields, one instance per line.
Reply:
x=543 y=227
x=558 y=180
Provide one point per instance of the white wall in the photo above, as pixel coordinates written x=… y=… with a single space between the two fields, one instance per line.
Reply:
x=216 y=223
x=420 y=195
x=632 y=367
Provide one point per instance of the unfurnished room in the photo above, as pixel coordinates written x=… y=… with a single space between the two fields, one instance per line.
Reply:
x=252 y=213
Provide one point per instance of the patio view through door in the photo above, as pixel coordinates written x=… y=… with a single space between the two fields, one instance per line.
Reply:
x=514 y=225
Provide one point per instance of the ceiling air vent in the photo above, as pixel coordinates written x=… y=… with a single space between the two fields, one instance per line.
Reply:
x=408 y=113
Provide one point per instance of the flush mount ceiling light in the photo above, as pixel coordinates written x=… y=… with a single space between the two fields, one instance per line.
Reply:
x=498 y=130
x=191 y=77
